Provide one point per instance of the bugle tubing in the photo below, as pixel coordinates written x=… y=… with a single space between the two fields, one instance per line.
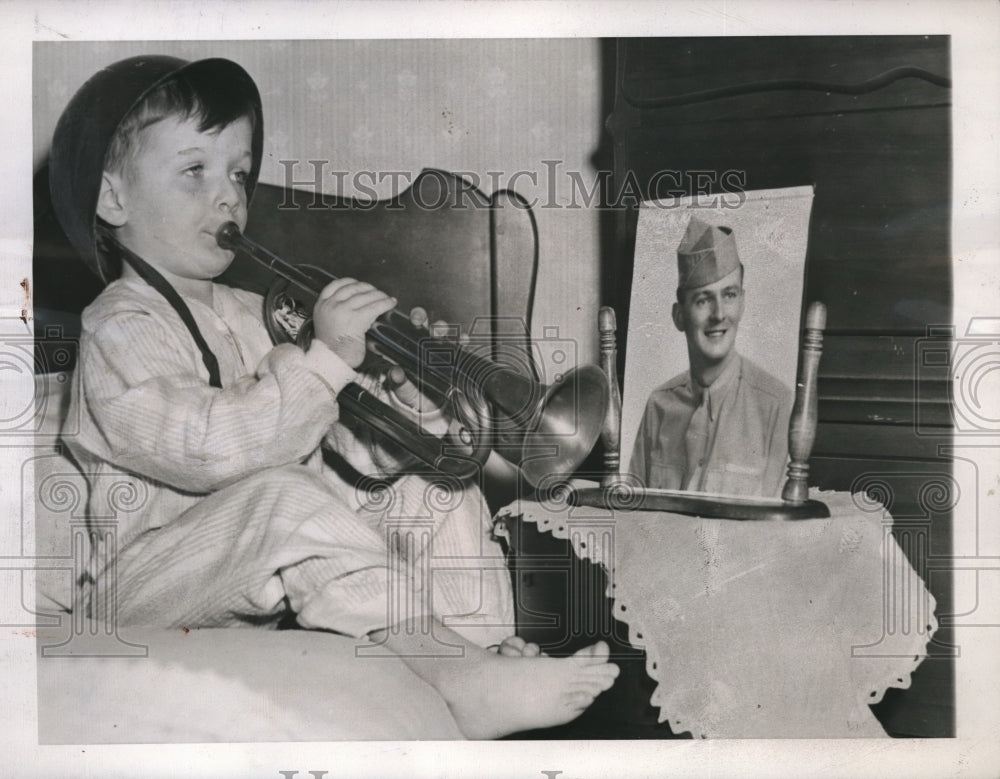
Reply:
x=553 y=428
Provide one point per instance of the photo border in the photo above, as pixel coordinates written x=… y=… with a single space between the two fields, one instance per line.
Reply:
x=975 y=244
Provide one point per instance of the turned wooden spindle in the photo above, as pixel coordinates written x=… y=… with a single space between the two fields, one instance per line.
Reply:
x=802 y=426
x=611 y=431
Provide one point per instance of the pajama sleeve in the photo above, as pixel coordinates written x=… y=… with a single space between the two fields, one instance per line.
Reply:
x=155 y=414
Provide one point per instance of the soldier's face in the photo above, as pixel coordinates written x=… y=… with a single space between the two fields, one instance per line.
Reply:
x=709 y=317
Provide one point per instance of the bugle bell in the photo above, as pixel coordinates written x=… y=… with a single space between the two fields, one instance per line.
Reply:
x=547 y=431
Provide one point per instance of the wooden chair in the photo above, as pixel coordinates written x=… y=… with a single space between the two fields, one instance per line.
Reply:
x=469 y=258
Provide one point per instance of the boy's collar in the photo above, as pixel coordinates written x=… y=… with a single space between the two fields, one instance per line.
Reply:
x=155 y=279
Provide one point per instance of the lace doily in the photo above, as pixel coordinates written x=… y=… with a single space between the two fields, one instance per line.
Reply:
x=760 y=629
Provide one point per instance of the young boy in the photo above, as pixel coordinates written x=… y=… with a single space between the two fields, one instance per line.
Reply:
x=213 y=436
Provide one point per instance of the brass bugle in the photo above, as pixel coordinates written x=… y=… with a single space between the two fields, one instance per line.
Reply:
x=546 y=430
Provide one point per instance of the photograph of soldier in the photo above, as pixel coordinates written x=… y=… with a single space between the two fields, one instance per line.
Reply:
x=722 y=425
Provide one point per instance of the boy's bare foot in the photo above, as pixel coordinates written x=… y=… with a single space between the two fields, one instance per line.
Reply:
x=492 y=694
x=515 y=646
x=498 y=694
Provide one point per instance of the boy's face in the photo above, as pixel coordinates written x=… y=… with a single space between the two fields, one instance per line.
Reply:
x=178 y=188
x=709 y=317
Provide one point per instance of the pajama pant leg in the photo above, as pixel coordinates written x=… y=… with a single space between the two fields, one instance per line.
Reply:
x=447 y=536
x=235 y=558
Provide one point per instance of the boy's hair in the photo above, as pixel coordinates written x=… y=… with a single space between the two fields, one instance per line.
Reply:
x=187 y=95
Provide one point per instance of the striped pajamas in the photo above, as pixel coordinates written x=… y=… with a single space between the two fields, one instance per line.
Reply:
x=224 y=510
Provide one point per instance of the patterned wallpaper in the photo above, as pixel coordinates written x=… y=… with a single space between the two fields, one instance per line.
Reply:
x=494 y=109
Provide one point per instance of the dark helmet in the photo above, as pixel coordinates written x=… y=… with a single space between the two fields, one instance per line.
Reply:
x=87 y=127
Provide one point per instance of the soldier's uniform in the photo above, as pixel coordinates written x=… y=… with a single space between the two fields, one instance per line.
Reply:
x=730 y=438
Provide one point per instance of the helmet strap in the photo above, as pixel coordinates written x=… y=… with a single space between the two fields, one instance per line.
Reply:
x=153 y=277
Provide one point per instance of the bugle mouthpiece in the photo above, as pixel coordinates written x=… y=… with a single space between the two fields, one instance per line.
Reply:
x=228 y=236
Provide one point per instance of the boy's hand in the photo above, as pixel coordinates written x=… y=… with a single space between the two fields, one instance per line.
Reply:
x=406 y=394
x=345 y=310
x=440 y=328
x=397 y=381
